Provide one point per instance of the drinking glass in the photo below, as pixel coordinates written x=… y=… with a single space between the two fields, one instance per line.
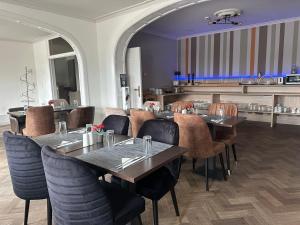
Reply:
x=62 y=127
x=62 y=105
x=147 y=144
x=221 y=113
x=75 y=103
x=110 y=138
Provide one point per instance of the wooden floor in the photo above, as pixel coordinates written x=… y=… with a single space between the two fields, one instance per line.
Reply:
x=264 y=188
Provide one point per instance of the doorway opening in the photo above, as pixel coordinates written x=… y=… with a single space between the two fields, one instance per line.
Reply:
x=64 y=71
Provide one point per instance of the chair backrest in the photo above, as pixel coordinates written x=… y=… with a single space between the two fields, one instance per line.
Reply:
x=137 y=119
x=75 y=192
x=179 y=105
x=117 y=123
x=39 y=121
x=114 y=111
x=25 y=166
x=230 y=109
x=16 y=109
x=164 y=131
x=194 y=135
x=58 y=102
x=81 y=116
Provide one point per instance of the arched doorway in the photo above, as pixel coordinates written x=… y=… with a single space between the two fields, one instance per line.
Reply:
x=122 y=45
x=69 y=38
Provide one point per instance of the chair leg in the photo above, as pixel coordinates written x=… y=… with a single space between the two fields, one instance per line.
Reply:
x=234 y=153
x=194 y=164
x=206 y=174
x=49 y=212
x=155 y=212
x=140 y=220
x=174 y=199
x=223 y=166
x=27 y=204
x=228 y=160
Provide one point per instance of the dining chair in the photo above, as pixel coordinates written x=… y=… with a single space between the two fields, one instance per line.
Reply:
x=137 y=119
x=16 y=125
x=117 y=123
x=39 y=121
x=223 y=134
x=78 y=197
x=81 y=116
x=179 y=105
x=195 y=136
x=114 y=111
x=26 y=171
x=159 y=183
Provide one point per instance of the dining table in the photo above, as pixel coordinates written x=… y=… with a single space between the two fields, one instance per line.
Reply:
x=126 y=159
x=213 y=121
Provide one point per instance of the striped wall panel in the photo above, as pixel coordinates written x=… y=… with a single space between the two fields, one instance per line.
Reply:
x=270 y=49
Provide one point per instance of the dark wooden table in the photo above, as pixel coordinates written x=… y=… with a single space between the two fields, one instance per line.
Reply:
x=22 y=114
x=132 y=173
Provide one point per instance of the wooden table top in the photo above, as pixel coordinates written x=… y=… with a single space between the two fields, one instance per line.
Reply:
x=132 y=173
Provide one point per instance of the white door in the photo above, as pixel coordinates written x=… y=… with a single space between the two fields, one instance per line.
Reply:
x=134 y=71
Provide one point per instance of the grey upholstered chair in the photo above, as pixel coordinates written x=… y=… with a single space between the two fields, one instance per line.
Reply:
x=26 y=170
x=163 y=180
x=16 y=125
x=117 y=123
x=78 y=197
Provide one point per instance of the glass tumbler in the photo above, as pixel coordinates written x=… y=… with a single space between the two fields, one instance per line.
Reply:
x=62 y=127
x=147 y=144
x=110 y=138
x=221 y=113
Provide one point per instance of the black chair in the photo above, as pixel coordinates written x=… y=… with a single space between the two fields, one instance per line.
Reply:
x=16 y=125
x=26 y=170
x=78 y=197
x=160 y=182
x=117 y=123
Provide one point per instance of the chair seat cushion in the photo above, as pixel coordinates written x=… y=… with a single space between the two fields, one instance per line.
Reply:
x=125 y=205
x=218 y=147
x=227 y=139
x=157 y=184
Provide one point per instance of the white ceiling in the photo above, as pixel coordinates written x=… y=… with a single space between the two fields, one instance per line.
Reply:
x=83 y=9
x=190 y=21
x=18 y=32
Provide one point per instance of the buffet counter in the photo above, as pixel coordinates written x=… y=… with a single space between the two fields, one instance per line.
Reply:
x=282 y=101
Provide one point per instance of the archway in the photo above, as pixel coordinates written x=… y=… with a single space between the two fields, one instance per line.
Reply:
x=121 y=48
x=82 y=68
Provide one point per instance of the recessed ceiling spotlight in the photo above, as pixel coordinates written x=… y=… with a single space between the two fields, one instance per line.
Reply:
x=224 y=16
x=18 y=21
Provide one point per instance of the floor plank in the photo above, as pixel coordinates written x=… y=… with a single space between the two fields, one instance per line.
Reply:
x=264 y=188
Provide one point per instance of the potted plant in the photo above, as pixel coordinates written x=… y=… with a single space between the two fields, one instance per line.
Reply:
x=98 y=129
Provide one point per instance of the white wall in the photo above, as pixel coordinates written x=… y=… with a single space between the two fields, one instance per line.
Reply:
x=159 y=59
x=43 y=76
x=14 y=56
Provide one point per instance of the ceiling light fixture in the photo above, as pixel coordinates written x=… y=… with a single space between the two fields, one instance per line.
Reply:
x=224 y=16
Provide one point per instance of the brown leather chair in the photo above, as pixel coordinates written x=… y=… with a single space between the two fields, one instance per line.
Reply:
x=179 y=105
x=80 y=117
x=114 y=111
x=39 y=121
x=194 y=135
x=137 y=119
x=223 y=134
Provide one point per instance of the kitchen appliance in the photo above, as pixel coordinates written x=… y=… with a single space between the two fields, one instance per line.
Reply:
x=293 y=79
